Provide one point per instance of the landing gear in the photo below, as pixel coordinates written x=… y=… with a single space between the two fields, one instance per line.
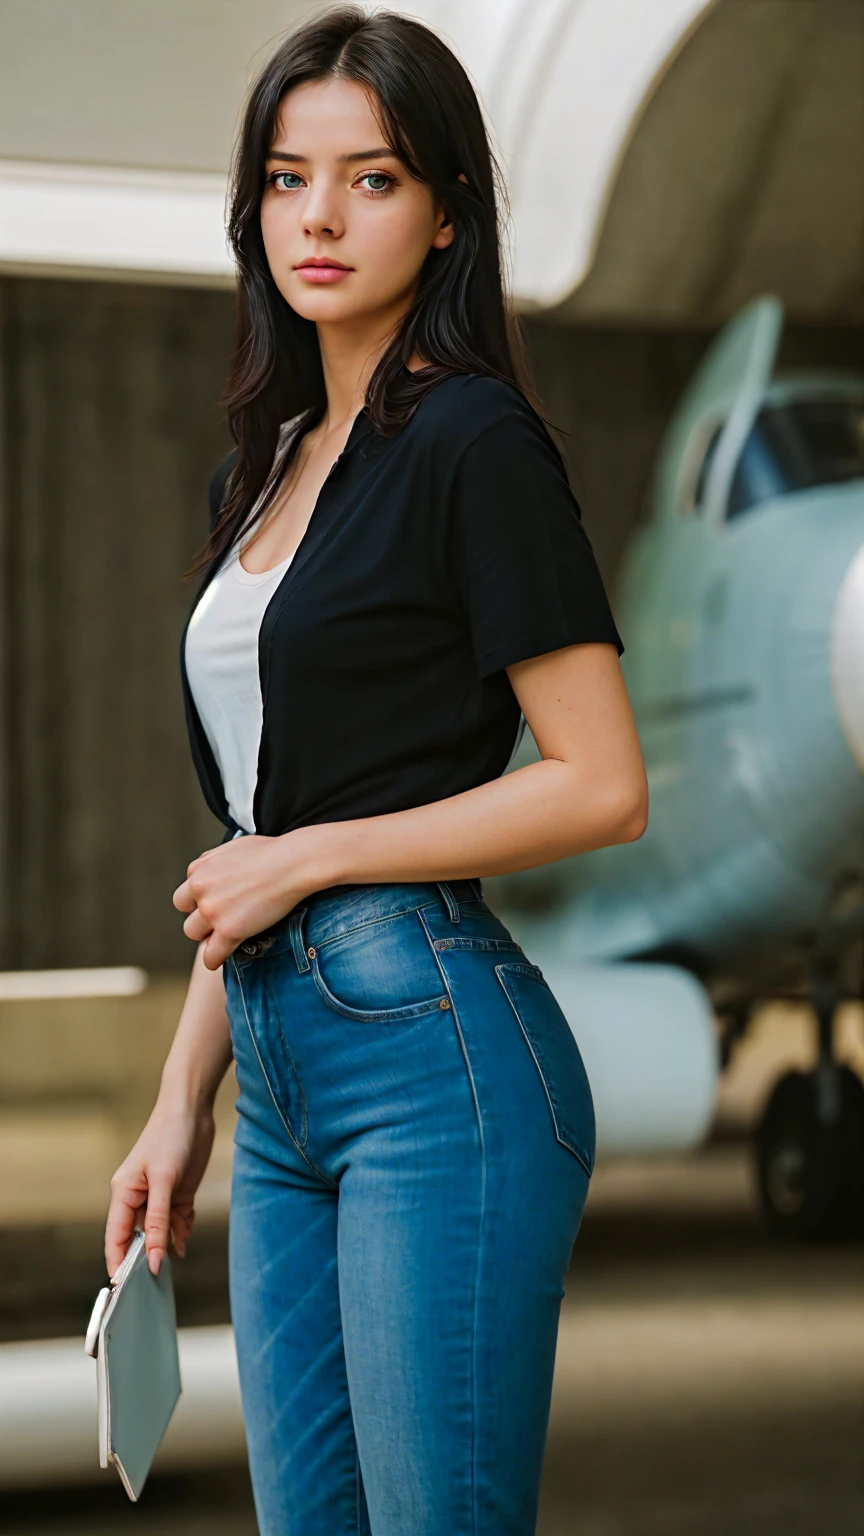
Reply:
x=810 y=1145
x=810 y=1154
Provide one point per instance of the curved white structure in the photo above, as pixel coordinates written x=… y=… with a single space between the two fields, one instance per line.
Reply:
x=564 y=82
x=666 y=159
x=61 y=220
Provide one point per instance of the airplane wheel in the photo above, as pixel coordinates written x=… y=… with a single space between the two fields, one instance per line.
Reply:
x=811 y=1173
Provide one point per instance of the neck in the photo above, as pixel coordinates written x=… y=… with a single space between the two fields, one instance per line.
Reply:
x=348 y=360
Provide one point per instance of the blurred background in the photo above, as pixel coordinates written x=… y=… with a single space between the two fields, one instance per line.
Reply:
x=687 y=253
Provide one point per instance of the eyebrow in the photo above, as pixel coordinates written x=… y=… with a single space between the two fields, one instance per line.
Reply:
x=359 y=154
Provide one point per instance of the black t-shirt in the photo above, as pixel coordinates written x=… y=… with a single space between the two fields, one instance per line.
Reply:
x=433 y=560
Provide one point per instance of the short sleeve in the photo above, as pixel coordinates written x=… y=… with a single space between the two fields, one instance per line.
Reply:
x=525 y=568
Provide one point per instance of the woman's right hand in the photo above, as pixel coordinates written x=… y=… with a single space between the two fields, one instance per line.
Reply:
x=156 y=1184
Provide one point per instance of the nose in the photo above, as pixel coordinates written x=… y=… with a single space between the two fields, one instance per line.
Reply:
x=321 y=214
x=847 y=656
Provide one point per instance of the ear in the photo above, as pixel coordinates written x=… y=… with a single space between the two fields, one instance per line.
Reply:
x=444 y=233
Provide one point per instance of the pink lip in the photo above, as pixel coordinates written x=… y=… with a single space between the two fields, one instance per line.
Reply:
x=322 y=271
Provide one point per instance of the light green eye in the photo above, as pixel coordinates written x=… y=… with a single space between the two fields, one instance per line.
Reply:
x=381 y=176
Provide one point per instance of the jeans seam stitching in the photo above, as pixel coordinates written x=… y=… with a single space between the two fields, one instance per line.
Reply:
x=373 y=921
x=481 y=1224
x=268 y=990
x=333 y=1183
x=579 y=1155
x=506 y=946
x=377 y=1016
x=428 y=906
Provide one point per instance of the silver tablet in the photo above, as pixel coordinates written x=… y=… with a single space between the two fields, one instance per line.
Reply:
x=133 y=1336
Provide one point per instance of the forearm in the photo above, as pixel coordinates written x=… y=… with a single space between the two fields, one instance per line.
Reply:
x=200 y=1053
x=534 y=815
x=589 y=790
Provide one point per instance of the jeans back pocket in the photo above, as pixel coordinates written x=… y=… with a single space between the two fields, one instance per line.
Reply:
x=556 y=1055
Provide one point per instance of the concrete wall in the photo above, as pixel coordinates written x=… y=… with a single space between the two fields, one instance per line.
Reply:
x=109 y=430
x=106 y=82
x=108 y=434
x=743 y=174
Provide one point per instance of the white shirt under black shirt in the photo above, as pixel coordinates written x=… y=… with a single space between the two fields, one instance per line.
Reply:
x=223 y=671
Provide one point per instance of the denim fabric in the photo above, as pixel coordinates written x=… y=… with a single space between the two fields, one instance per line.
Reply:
x=414 y=1143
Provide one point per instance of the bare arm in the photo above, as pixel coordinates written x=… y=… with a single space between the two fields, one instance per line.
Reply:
x=589 y=790
x=157 y=1182
x=200 y=1053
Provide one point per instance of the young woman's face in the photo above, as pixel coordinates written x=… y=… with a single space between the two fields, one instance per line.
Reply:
x=333 y=190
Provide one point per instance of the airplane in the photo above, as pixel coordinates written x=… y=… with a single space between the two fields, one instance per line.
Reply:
x=740 y=600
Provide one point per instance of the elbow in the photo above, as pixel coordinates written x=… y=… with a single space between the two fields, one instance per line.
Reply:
x=635 y=825
x=628 y=813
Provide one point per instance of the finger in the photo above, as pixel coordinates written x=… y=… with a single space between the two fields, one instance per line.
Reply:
x=207 y=854
x=184 y=899
x=125 y=1209
x=157 y=1220
x=182 y=1217
x=217 y=949
x=197 y=927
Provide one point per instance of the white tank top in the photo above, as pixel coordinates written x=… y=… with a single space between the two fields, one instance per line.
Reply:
x=224 y=677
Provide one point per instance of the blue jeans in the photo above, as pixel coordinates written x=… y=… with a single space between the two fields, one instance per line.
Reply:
x=414 y=1142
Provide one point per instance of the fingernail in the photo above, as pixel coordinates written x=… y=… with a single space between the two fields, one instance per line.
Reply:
x=154 y=1259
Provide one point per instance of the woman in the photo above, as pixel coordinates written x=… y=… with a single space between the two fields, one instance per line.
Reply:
x=395 y=580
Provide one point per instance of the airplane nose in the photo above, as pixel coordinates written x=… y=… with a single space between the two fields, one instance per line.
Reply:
x=847 y=656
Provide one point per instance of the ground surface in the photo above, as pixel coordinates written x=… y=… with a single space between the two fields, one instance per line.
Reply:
x=708 y=1382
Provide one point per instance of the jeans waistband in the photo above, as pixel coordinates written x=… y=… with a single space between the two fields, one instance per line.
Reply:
x=339 y=909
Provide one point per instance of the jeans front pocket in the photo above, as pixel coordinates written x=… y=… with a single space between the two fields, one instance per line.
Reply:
x=380 y=973
x=556 y=1055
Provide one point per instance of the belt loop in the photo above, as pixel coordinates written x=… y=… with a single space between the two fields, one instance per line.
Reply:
x=449 y=901
x=295 y=933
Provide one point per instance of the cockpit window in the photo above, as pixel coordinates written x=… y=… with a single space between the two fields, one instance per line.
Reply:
x=795 y=446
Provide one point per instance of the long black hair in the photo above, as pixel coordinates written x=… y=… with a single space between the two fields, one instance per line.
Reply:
x=461 y=320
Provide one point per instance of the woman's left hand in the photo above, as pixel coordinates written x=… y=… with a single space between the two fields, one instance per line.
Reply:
x=244 y=886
